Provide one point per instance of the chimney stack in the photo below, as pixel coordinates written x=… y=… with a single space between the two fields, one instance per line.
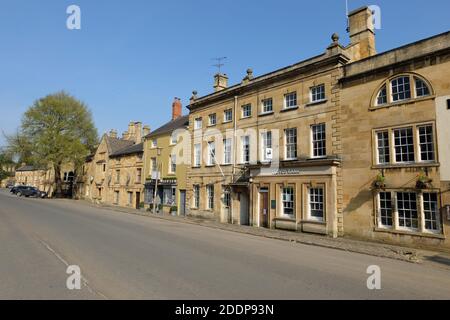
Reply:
x=146 y=130
x=138 y=132
x=113 y=133
x=134 y=132
x=177 y=109
x=220 y=82
x=362 y=35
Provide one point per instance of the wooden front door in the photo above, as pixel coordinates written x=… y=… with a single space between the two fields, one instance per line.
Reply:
x=264 y=209
x=138 y=200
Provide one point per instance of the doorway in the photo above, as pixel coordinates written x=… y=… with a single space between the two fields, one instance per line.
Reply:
x=264 y=208
x=138 y=200
x=244 y=209
x=182 y=202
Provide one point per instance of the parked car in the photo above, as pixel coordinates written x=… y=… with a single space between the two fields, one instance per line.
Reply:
x=27 y=191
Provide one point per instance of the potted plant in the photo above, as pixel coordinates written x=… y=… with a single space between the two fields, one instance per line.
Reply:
x=379 y=182
x=174 y=210
x=423 y=181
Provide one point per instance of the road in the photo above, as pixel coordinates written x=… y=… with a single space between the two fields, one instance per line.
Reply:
x=123 y=256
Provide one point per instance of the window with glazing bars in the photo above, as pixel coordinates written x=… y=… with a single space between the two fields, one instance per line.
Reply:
x=319 y=140
x=383 y=147
x=291 y=143
x=404 y=145
x=426 y=143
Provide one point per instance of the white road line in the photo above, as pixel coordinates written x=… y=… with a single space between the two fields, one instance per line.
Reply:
x=58 y=256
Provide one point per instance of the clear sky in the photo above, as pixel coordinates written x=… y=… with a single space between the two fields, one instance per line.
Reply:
x=131 y=58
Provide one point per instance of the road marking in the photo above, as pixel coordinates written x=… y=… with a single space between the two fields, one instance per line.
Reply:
x=60 y=258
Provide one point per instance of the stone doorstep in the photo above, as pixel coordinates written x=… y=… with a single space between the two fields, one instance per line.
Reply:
x=377 y=249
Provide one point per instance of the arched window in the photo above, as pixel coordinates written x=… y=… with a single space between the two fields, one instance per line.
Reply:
x=382 y=96
x=401 y=88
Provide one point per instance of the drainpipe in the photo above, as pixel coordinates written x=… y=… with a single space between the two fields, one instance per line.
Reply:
x=234 y=149
x=234 y=135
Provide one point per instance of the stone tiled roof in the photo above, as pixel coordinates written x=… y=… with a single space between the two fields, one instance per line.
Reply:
x=27 y=168
x=137 y=148
x=116 y=144
x=170 y=126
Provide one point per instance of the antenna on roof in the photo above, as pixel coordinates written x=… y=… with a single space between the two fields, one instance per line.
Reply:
x=219 y=63
x=346 y=14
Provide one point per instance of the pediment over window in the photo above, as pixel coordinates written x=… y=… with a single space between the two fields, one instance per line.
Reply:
x=401 y=88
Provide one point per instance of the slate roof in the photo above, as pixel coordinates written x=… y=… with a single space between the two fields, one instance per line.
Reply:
x=137 y=148
x=170 y=126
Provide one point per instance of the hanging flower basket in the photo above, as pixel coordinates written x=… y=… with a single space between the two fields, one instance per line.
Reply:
x=423 y=182
x=379 y=183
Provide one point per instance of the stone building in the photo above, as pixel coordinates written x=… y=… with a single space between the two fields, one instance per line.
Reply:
x=165 y=168
x=113 y=174
x=347 y=142
x=126 y=172
x=11 y=170
x=44 y=179
x=395 y=142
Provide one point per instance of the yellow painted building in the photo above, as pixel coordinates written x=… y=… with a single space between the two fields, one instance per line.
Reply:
x=165 y=169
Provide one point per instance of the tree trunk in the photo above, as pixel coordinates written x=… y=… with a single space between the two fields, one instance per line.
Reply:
x=58 y=181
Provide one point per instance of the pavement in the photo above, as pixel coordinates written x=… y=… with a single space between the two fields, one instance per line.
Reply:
x=132 y=256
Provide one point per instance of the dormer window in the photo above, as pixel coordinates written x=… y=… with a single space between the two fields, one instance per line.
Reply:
x=401 y=88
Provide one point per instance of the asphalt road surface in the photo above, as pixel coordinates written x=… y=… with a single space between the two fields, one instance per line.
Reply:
x=123 y=256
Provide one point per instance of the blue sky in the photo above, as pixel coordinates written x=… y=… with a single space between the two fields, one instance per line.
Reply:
x=132 y=57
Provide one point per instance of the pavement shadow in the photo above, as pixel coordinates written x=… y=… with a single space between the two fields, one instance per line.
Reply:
x=439 y=259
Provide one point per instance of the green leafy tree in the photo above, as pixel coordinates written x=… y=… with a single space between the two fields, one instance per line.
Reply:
x=56 y=129
x=6 y=161
x=20 y=148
